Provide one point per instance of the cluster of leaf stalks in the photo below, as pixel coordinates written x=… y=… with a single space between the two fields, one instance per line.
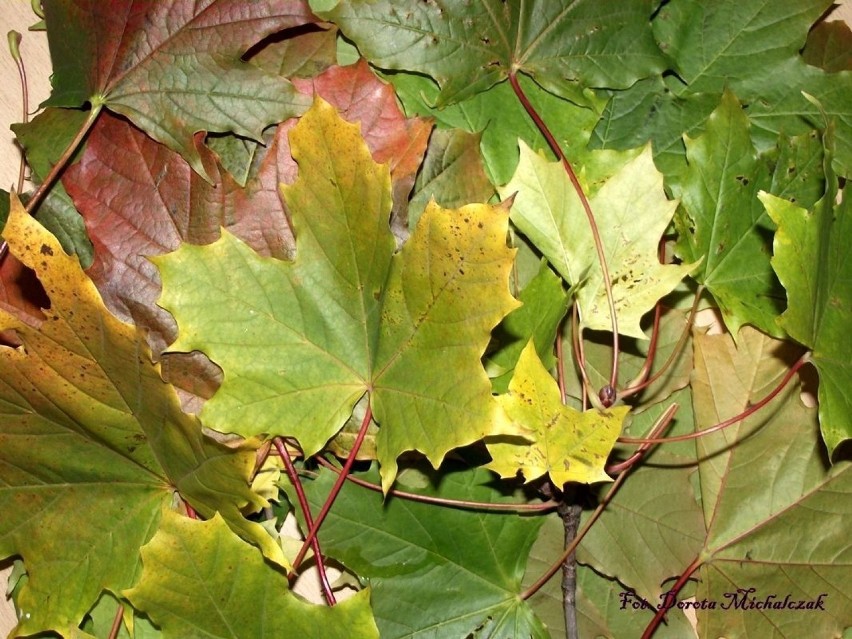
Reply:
x=577 y=503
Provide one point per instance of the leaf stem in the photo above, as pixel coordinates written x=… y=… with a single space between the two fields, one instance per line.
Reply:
x=554 y=146
x=14 y=49
x=58 y=168
x=284 y=454
x=443 y=501
x=335 y=490
x=670 y=598
x=642 y=381
x=560 y=365
x=753 y=408
x=660 y=425
x=116 y=622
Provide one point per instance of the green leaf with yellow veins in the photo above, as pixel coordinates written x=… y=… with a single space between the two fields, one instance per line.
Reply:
x=811 y=258
x=632 y=213
x=199 y=580
x=94 y=446
x=301 y=342
x=567 y=444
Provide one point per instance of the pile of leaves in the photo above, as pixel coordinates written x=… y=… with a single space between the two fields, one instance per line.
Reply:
x=424 y=275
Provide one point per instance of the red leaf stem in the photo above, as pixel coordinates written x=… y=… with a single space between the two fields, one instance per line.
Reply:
x=554 y=146
x=335 y=490
x=443 y=501
x=116 y=622
x=660 y=425
x=284 y=454
x=670 y=599
x=641 y=381
x=560 y=366
x=804 y=359
x=580 y=355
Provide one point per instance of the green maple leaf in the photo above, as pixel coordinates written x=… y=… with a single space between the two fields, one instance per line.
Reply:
x=544 y=304
x=748 y=47
x=199 y=580
x=301 y=342
x=565 y=45
x=434 y=572
x=722 y=223
x=811 y=259
x=175 y=68
x=566 y=444
x=500 y=118
x=632 y=213
x=728 y=43
x=93 y=446
x=829 y=47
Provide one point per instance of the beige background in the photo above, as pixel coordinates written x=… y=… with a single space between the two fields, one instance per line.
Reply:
x=17 y=15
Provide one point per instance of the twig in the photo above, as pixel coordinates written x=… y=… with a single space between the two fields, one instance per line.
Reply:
x=529 y=592
x=570 y=514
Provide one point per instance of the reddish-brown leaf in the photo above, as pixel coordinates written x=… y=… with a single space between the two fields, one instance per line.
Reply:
x=362 y=97
x=174 y=68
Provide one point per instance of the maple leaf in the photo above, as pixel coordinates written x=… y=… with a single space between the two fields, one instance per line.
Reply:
x=544 y=304
x=749 y=48
x=566 y=444
x=93 y=446
x=452 y=173
x=829 y=47
x=360 y=96
x=500 y=118
x=729 y=43
x=687 y=504
x=722 y=223
x=43 y=140
x=811 y=259
x=173 y=69
x=421 y=560
x=657 y=506
x=300 y=342
x=753 y=547
x=632 y=212
x=192 y=570
x=469 y=48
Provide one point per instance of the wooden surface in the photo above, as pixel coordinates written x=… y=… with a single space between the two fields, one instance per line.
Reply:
x=17 y=15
